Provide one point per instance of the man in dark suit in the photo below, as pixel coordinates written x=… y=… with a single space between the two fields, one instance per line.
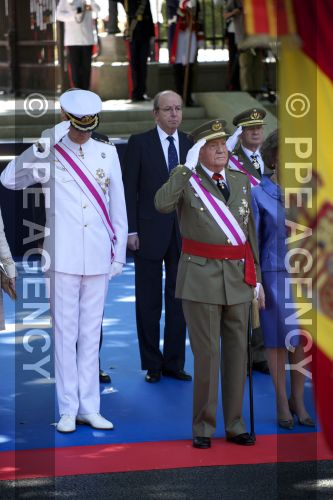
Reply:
x=155 y=239
x=248 y=153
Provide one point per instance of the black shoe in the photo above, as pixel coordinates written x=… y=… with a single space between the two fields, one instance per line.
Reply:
x=177 y=374
x=201 y=442
x=307 y=421
x=260 y=366
x=243 y=439
x=104 y=378
x=153 y=376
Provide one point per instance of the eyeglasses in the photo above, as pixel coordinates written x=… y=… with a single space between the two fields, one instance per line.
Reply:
x=169 y=109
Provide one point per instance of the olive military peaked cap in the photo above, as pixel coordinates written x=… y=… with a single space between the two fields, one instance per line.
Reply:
x=215 y=129
x=81 y=108
x=250 y=118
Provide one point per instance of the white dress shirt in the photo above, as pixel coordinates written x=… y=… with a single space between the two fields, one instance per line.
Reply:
x=165 y=143
x=210 y=174
x=248 y=153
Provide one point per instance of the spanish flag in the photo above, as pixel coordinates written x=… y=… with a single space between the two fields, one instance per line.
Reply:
x=304 y=33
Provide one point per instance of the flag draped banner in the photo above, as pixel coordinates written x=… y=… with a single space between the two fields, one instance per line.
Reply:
x=305 y=113
x=305 y=84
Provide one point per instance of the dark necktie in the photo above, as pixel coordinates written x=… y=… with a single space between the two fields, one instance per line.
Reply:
x=172 y=153
x=255 y=163
x=222 y=185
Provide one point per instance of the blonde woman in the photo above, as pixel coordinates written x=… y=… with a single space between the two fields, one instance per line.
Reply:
x=9 y=266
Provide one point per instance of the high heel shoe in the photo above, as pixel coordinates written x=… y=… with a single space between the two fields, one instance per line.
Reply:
x=286 y=423
x=307 y=421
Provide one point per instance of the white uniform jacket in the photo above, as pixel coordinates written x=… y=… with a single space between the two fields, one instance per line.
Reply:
x=79 y=28
x=75 y=236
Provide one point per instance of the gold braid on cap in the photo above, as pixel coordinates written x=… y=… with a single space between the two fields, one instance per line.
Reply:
x=85 y=124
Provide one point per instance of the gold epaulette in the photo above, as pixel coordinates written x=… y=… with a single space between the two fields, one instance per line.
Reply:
x=101 y=138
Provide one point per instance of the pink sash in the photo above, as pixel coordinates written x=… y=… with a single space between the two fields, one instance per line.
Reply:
x=220 y=212
x=253 y=180
x=88 y=185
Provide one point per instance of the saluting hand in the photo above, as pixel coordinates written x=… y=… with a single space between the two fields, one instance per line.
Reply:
x=233 y=139
x=192 y=156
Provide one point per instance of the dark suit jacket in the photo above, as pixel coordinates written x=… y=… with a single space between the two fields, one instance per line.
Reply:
x=145 y=171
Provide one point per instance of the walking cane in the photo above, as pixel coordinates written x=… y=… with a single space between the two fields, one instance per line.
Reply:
x=187 y=67
x=249 y=360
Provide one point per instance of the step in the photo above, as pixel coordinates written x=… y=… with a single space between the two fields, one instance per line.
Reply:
x=20 y=117
x=112 y=129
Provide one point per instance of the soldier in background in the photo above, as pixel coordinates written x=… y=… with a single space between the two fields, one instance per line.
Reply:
x=140 y=29
x=248 y=153
x=185 y=29
x=80 y=36
x=251 y=65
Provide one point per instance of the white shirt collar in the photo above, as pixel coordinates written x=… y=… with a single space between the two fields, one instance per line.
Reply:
x=210 y=173
x=74 y=146
x=248 y=152
x=163 y=135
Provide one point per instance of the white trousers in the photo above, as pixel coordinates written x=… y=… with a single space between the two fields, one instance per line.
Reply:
x=183 y=46
x=77 y=304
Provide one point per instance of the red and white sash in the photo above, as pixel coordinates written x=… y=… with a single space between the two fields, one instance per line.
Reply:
x=220 y=212
x=238 y=166
x=88 y=184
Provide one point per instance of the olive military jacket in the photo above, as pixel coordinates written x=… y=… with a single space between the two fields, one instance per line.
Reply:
x=247 y=164
x=211 y=281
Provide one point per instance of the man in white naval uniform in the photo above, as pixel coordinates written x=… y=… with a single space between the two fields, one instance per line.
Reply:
x=85 y=237
x=80 y=37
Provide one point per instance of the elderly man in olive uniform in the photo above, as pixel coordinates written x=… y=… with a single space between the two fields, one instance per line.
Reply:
x=248 y=153
x=217 y=273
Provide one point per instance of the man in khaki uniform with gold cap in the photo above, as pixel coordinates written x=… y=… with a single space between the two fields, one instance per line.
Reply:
x=217 y=271
x=250 y=140
x=248 y=153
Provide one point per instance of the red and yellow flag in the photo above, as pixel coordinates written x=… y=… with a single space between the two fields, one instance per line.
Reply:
x=305 y=84
x=306 y=76
x=269 y=18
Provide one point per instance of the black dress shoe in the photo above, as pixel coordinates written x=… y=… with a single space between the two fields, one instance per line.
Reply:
x=178 y=374
x=153 y=376
x=201 y=442
x=261 y=366
x=104 y=378
x=243 y=439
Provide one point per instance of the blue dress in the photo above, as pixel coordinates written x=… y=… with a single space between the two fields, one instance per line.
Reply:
x=278 y=322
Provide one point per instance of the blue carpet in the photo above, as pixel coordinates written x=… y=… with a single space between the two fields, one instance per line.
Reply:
x=139 y=411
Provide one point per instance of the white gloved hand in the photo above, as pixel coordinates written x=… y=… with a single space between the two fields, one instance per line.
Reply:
x=260 y=295
x=192 y=156
x=116 y=268
x=58 y=132
x=233 y=139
